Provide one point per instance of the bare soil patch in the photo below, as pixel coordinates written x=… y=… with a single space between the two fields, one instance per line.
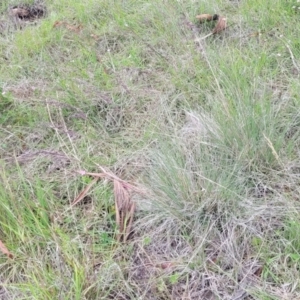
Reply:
x=21 y=15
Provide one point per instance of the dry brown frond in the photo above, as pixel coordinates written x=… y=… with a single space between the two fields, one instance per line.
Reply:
x=124 y=210
x=124 y=206
x=204 y=17
x=221 y=25
x=84 y=192
x=207 y=17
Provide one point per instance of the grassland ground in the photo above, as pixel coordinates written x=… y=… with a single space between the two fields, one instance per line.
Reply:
x=208 y=129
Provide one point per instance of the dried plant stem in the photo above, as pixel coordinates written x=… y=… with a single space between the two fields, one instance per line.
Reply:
x=124 y=206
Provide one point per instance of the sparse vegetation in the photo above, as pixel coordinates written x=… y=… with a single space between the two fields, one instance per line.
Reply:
x=208 y=129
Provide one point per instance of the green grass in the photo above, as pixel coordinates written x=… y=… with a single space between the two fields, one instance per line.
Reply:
x=209 y=130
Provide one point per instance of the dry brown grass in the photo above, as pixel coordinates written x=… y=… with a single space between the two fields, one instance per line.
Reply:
x=124 y=206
